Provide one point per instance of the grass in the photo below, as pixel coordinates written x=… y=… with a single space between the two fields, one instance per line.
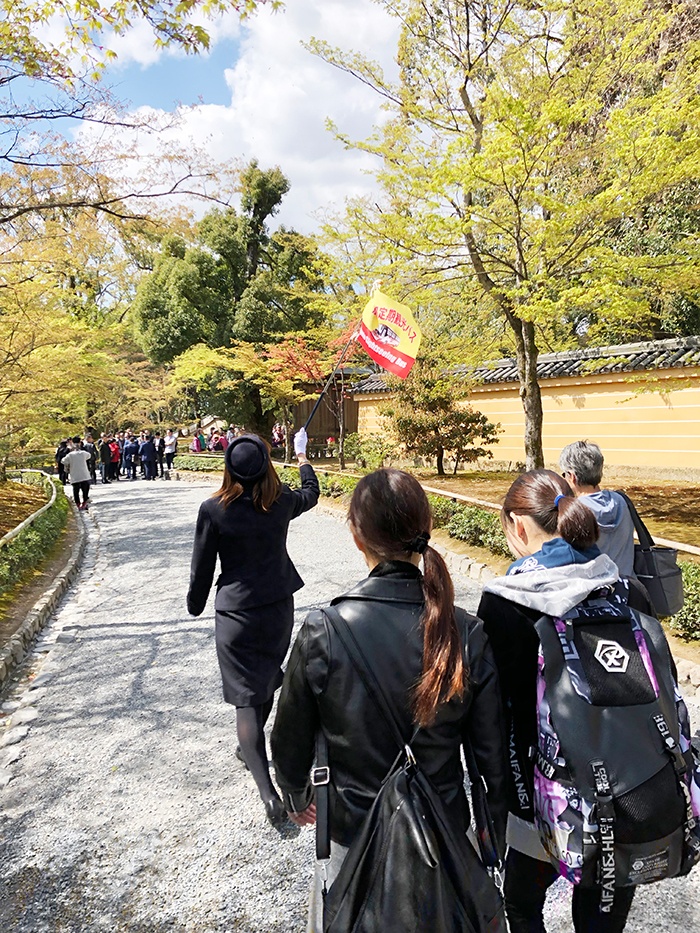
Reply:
x=18 y=502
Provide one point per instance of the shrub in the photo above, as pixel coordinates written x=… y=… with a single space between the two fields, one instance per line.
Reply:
x=443 y=509
x=686 y=623
x=199 y=463
x=33 y=544
x=333 y=485
x=371 y=451
x=478 y=527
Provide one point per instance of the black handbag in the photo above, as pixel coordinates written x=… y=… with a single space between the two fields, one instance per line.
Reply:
x=656 y=567
x=408 y=868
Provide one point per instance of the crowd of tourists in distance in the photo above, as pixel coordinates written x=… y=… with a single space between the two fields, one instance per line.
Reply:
x=122 y=455
x=217 y=441
x=560 y=695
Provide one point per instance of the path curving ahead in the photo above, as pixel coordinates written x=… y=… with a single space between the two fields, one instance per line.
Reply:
x=126 y=809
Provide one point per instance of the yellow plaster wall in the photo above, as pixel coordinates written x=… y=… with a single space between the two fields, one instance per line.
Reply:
x=647 y=429
x=369 y=421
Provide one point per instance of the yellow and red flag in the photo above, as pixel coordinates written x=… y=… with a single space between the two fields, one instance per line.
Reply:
x=389 y=334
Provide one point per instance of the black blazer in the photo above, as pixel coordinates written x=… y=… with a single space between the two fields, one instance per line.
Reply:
x=252 y=547
x=322 y=690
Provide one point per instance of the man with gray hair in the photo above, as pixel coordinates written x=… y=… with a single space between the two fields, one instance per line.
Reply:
x=581 y=465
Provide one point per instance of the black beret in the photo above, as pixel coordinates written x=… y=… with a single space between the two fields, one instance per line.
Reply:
x=247 y=458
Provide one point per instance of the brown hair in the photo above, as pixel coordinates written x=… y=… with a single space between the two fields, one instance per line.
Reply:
x=266 y=491
x=534 y=494
x=389 y=512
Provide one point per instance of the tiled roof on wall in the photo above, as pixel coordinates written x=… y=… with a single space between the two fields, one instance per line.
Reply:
x=629 y=357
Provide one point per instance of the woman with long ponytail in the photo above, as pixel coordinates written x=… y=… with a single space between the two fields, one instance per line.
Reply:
x=431 y=659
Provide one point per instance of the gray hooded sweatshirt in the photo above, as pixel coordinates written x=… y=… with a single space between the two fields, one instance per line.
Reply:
x=616 y=528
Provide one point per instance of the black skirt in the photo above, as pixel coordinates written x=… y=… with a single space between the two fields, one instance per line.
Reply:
x=251 y=645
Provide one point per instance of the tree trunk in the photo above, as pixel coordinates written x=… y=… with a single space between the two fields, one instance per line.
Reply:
x=526 y=351
x=440 y=464
x=526 y=354
x=259 y=425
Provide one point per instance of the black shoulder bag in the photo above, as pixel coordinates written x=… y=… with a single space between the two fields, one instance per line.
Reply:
x=656 y=567
x=408 y=868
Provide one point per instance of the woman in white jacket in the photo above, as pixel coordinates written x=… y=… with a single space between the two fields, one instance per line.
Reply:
x=77 y=465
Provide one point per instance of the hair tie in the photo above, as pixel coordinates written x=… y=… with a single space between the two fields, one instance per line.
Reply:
x=557 y=500
x=419 y=543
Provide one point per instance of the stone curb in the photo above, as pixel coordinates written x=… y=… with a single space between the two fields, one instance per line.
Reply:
x=688 y=672
x=21 y=642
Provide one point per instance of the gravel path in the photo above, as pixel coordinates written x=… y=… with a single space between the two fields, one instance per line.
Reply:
x=126 y=808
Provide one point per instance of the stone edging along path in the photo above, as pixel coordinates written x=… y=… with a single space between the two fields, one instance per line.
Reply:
x=20 y=644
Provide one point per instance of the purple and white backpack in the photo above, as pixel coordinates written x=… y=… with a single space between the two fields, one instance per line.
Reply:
x=617 y=783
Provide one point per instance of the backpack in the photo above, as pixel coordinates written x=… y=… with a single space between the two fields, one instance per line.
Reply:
x=617 y=783
x=408 y=868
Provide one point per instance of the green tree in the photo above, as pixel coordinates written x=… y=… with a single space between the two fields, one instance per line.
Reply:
x=430 y=421
x=183 y=302
x=233 y=282
x=522 y=136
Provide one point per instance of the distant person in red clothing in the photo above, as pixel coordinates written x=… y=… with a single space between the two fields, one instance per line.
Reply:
x=115 y=459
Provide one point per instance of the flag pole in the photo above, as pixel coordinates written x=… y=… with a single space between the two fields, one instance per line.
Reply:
x=330 y=380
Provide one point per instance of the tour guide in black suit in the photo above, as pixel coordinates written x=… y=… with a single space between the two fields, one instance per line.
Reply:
x=245 y=523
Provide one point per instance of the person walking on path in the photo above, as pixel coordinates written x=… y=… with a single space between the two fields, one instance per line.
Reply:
x=553 y=536
x=131 y=451
x=170 y=448
x=147 y=453
x=159 y=444
x=77 y=464
x=581 y=465
x=61 y=451
x=245 y=524
x=434 y=665
x=105 y=459
x=115 y=458
x=89 y=445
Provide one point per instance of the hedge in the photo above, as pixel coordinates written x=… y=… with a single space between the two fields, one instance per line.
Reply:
x=332 y=485
x=686 y=623
x=32 y=545
x=478 y=527
x=199 y=464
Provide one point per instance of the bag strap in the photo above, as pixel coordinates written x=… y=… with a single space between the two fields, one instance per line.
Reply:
x=645 y=539
x=320 y=776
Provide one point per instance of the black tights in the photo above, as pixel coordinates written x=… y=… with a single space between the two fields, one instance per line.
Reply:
x=526 y=884
x=250 y=723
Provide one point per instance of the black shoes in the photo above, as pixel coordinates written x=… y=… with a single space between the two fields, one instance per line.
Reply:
x=275 y=812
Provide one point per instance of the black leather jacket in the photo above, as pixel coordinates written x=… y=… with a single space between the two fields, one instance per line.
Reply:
x=322 y=690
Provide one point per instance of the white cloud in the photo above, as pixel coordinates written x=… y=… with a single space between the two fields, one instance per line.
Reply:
x=281 y=96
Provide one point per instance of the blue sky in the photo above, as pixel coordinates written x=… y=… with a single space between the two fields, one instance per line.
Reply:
x=259 y=94
x=182 y=80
